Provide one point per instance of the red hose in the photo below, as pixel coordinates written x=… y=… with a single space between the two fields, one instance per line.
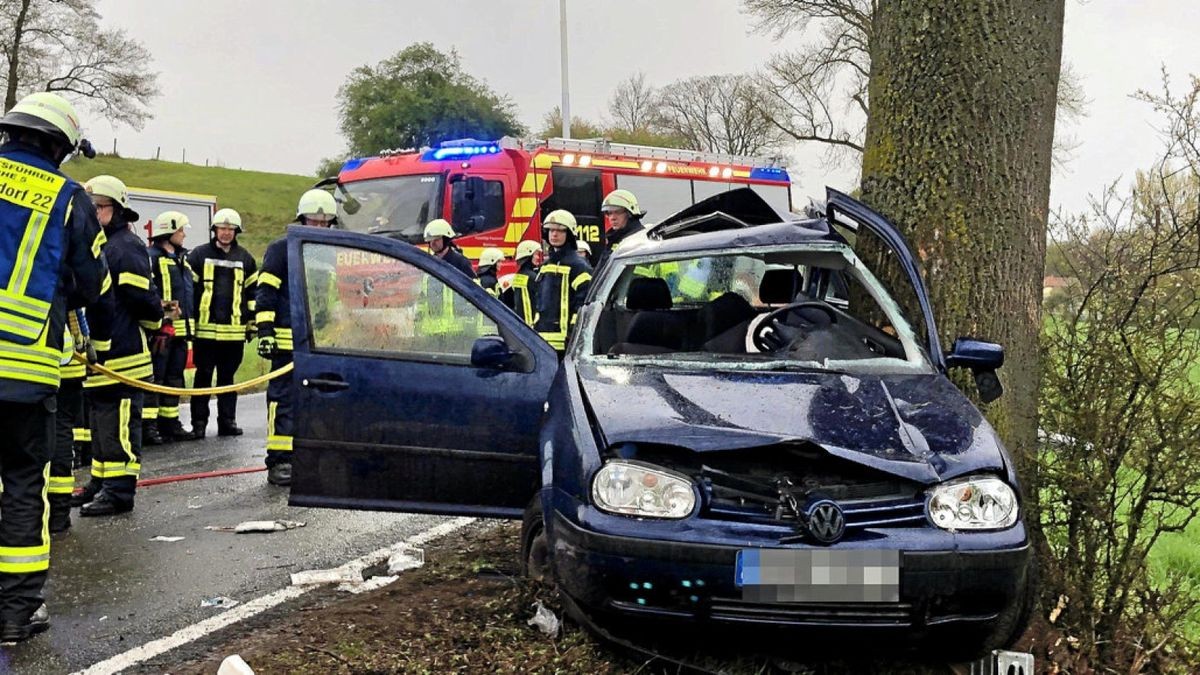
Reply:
x=193 y=476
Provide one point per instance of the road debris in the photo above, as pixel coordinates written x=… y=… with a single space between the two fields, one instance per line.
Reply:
x=544 y=620
x=235 y=665
x=1058 y=609
x=219 y=602
x=166 y=539
x=368 y=585
x=406 y=558
x=337 y=575
x=257 y=526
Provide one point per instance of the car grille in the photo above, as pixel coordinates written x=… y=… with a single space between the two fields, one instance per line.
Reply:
x=829 y=615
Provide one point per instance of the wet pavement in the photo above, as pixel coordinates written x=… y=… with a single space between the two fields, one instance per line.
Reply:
x=112 y=589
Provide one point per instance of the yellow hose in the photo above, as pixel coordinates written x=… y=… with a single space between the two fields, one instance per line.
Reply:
x=179 y=391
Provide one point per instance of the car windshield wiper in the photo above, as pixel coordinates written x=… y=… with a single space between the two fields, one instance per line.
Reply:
x=805 y=368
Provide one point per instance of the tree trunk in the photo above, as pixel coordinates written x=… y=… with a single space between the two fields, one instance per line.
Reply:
x=14 y=57
x=958 y=156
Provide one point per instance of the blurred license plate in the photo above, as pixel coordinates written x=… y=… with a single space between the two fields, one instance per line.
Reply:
x=815 y=575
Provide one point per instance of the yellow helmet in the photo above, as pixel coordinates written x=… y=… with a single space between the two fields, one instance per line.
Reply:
x=438 y=227
x=227 y=218
x=48 y=113
x=526 y=249
x=622 y=199
x=168 y=223
x=490 y=256
x=562 y=218
x=316 y=203
x=113 y=188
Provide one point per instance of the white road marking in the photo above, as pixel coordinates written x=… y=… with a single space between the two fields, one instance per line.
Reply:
x=244 y=611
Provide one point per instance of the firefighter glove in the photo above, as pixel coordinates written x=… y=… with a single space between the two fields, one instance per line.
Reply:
x=266 y=346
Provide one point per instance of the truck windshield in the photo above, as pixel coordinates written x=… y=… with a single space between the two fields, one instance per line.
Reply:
x=398 y=206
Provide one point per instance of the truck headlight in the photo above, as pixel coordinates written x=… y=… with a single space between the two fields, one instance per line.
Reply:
x=638 y=489
x=979 y=503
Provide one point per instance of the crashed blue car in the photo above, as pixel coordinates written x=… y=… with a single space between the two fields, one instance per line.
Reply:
x=747 y=427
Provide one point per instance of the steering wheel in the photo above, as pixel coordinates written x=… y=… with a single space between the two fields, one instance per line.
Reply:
x=772 y=333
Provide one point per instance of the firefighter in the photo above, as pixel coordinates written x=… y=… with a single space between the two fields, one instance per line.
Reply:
x=489 y=264
x=440 y=238
x=273 y=317
x=129 y=304
x=585 y=250
x=56 y=273
x=225 y=274
x=169 y=345
x=624 y=216
x=67 y=421
x=521 y=297
x=563 y=280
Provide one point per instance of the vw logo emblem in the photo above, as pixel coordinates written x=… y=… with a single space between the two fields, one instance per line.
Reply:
x=826 y=523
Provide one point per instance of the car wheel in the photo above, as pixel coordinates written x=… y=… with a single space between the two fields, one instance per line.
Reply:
x=535 y=550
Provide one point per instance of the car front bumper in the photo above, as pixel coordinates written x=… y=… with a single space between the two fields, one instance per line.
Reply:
x=676 y=575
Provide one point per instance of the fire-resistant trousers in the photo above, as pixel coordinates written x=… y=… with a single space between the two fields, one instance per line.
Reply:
x=279 y=413
x=24 y=532
x=116 y=412
x=168 y=371
x=66 y=421
x=223 y=357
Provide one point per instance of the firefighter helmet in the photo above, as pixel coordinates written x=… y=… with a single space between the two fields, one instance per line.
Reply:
x=526 y=249
x=622 y=199
x=562 y=218
x=113 y=188
x=47 y=113
x=227 y=218
x=438 y=227
x=316 y=203
x=168 y=223
x=490 y=256
x=584 y=247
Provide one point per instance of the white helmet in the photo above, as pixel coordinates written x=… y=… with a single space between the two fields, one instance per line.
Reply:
x=227 y=218
x=316 y=202
x=168 y=223
x=490 y=256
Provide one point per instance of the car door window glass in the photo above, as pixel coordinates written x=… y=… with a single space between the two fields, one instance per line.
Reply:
x=364 y=302
x=476 y=206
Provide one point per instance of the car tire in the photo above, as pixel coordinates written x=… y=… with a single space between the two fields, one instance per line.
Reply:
x=535 y=549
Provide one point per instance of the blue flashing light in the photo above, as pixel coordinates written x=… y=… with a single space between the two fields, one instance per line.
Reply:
x=353 y=163
x=462 y=152
x=769 y=173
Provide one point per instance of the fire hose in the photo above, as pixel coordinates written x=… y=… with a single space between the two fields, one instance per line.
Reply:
x=181 y=391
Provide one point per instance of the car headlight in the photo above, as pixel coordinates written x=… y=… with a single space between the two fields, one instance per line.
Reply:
x=980 y=503
x=637 y=489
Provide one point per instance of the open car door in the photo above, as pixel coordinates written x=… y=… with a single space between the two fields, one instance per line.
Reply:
x=414 y=389
x=844 y=209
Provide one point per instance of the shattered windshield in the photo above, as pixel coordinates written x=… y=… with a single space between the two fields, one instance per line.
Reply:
x=815 y=307
x=399 y=206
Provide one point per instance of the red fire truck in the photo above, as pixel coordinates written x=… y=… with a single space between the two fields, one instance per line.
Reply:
x=495 y=193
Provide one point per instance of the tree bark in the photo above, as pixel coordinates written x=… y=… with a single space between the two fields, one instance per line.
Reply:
x=958 y=156
x=14 y=57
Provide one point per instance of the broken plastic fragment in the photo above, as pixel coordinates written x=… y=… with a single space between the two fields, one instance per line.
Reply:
x=544 y=619
x=235 y=665
x=167 y=539
x=368 y=585
x=266 y=526
x=406 y=558
x=337 y=575
x=220 y=602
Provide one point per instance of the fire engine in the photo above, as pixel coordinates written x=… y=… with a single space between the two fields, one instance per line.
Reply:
x=495 y=193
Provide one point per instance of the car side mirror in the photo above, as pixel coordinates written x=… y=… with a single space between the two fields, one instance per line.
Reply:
x=490 y=351
x=475 y=223
x=983 y=358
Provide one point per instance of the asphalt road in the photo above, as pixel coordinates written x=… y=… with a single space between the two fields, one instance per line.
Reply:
x=112 y=589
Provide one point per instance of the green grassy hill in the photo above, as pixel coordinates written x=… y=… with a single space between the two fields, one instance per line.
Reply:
x=266 y=201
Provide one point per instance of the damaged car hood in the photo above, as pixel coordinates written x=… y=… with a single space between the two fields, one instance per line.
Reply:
x=919 y=427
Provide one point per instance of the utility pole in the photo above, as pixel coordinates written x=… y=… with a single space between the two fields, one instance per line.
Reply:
x=566 y=86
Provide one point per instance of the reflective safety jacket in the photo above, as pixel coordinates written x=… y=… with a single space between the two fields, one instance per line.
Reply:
x=460 y=262
x=521 y=296
x=173 y=277
x=563 y=281
x=224 y=291
x=49 y=261
x=614 y=239
x=129 y=304
x=487 y=279
x=273 y=312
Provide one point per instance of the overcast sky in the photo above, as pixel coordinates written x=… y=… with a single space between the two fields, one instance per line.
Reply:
x=253 y=84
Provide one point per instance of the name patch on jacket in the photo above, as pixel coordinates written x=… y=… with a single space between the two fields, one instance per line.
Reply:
x=28 y=186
